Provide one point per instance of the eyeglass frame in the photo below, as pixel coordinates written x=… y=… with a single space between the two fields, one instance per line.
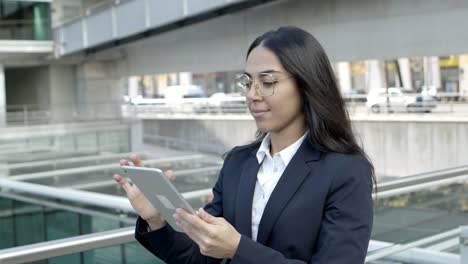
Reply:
x=257 y=85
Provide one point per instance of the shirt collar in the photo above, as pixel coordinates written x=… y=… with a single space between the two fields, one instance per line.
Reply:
x=286 y=154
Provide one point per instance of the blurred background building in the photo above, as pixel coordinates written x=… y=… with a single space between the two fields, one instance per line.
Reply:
x=85 y=82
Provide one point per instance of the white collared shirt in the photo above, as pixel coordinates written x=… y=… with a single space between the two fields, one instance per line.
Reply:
x=269 y=173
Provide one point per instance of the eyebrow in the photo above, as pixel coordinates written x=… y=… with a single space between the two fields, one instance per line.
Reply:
x=264 y=71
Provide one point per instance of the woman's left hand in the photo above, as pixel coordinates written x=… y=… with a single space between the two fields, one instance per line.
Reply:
x=215 y=236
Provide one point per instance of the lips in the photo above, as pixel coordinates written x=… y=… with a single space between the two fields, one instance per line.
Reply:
x=259 y=112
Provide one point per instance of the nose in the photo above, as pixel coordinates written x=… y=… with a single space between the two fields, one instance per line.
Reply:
x=252 y=94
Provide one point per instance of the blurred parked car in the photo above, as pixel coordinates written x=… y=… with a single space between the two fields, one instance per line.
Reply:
x=429 y=90
x=355 y=95
x=398 y=101
x=183 y=91
x=223 y=103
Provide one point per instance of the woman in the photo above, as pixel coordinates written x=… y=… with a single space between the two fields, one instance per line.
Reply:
x=301 y=193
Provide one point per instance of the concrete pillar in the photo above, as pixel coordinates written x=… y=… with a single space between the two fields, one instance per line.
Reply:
x=405 y=71
x=133 y=86
x=161 y=82
x=432 y=71
x=136 y=135
x=2 y=97
x=62 y=92
x=100 y=89
x=464 y=76
x=375 y=74
x=185 y=78
x=344 y=76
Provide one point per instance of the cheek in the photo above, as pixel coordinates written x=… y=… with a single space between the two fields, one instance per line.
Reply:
x=290 y=105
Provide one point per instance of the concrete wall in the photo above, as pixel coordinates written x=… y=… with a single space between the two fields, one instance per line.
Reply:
x=211 y=134
x=398 y=147
x=348 y=30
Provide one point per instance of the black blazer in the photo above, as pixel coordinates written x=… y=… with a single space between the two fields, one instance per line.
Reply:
x=320 y=212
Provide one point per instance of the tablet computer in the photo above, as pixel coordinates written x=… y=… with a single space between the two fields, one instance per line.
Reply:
x=159 y=190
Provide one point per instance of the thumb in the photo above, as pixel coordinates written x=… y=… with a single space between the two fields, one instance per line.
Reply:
x=206 y=216
x=170 y=175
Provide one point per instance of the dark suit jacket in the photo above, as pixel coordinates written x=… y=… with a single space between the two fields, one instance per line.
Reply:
x=320 y=212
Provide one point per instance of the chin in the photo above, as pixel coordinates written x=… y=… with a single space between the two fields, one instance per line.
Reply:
x=262 y=127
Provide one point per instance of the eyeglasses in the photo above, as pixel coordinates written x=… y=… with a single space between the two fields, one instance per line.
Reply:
x=264 y=86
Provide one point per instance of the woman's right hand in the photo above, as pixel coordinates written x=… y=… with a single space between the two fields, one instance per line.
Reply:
x=140 y=203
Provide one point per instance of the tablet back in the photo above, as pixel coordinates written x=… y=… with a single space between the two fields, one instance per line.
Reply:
x=159 y=190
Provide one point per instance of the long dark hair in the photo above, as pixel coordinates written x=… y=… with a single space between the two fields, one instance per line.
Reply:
x=326 y=116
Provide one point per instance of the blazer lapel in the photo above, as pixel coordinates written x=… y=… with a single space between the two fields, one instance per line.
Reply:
x=291 y=179
x=243 y=214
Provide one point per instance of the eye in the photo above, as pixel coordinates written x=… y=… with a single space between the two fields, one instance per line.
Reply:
x=268 y=84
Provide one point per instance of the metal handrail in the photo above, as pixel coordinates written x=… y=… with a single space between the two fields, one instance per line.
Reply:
x=71 y=171
x=70 y=208
x=30 y=164
x=422 y=181
x=66 y=246
x=420 y=186
x=423 y=178
x=397 y=248
x=120 y=236
x=84 y=197
x=176 y=174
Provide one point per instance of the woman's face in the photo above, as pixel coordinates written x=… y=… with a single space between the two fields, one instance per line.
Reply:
x=282 y=111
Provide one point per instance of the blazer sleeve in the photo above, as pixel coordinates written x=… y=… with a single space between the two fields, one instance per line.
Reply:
x=346 y=225
x=175 y=247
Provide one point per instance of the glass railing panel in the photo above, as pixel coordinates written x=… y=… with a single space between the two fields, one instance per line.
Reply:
x=6 y=224
x=48 y=148
x=417 y=215
x=135 y=253
x=24 y=223
x=125 y=253
x=67 y=259
x=29 y=222
x=112 y=254
x=63 y=224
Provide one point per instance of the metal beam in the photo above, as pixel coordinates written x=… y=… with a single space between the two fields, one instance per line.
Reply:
x=66 y=246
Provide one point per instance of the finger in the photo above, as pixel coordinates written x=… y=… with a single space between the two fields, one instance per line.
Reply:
x=209 y=197
x=123 y=182
x=206 y=216
x=169 y=174
x=194 y=222
x=136 y=160
x=124 y=162
x=188 y=228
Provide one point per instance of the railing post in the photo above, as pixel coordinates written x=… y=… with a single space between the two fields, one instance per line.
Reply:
x=463 y=244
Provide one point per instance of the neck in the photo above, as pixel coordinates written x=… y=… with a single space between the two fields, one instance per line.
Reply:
x=283 y=139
